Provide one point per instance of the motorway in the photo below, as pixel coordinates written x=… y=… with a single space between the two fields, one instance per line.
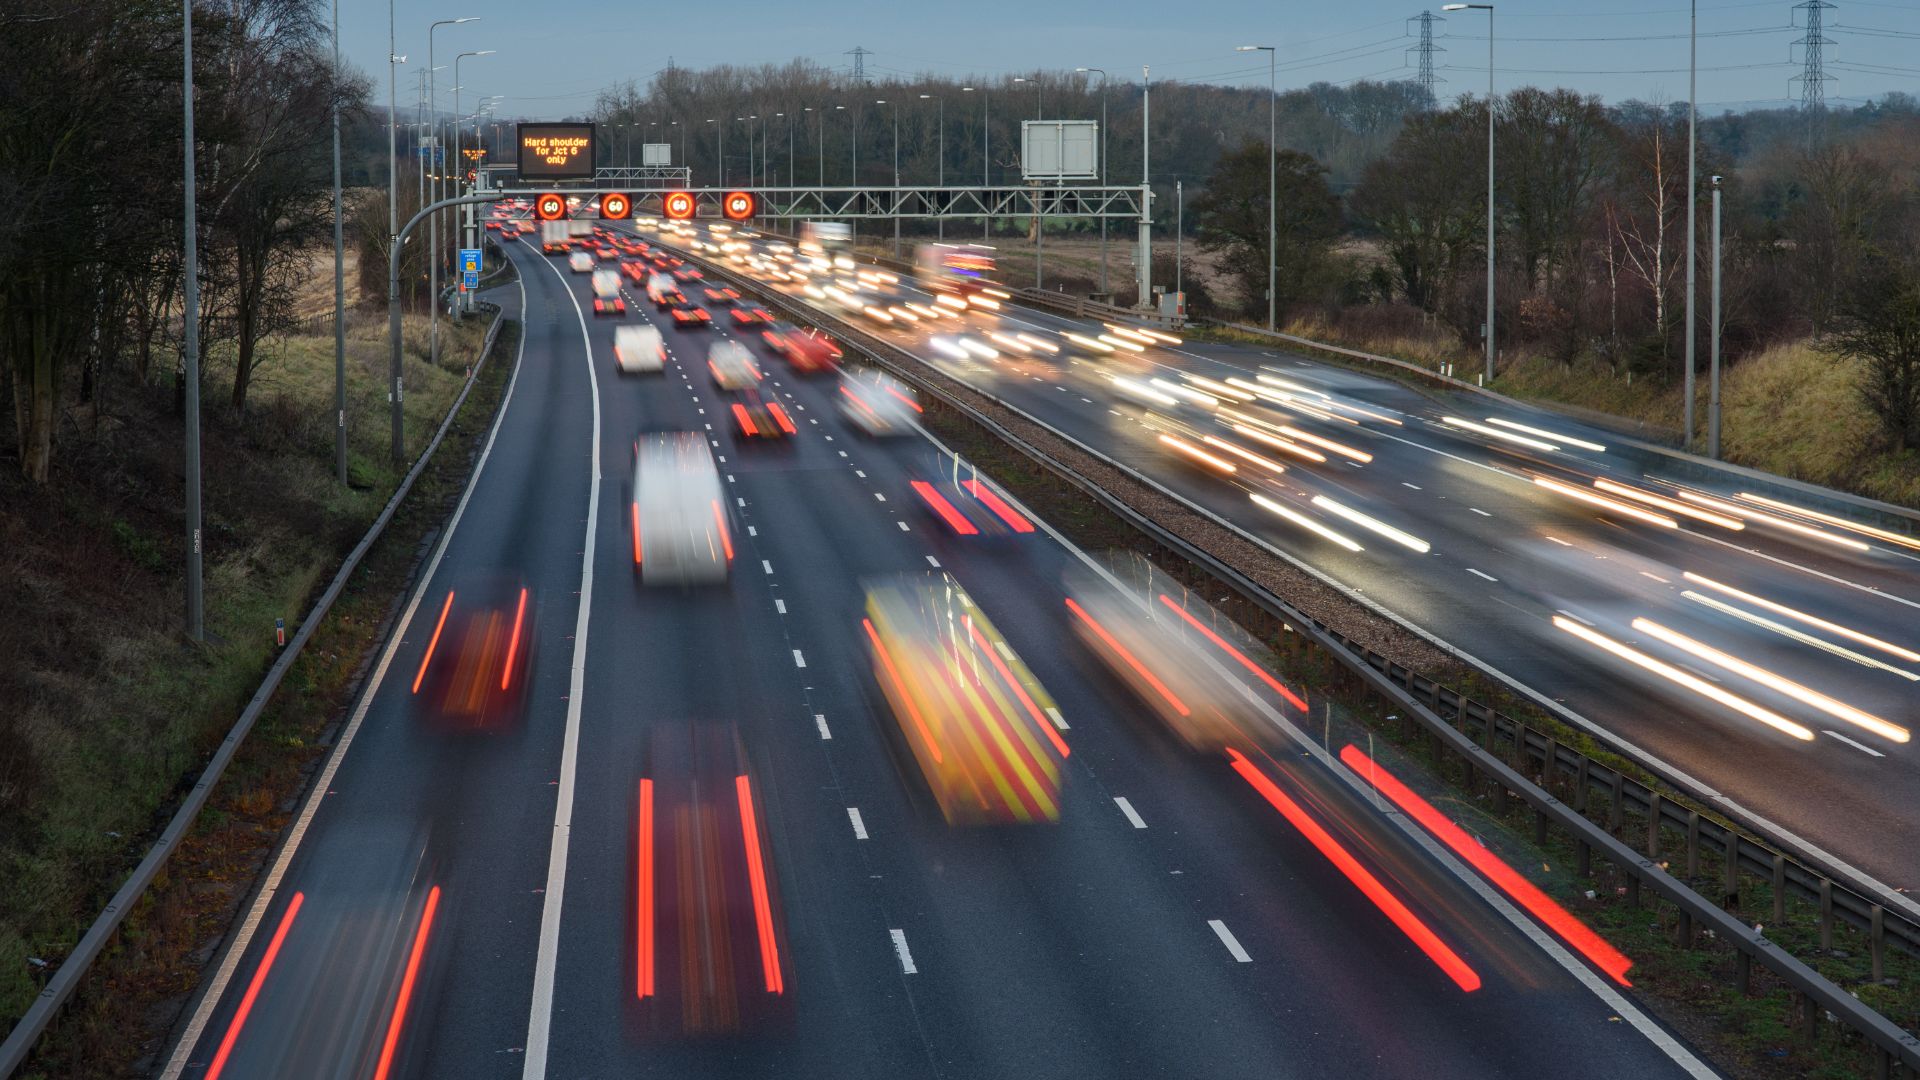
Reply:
x=1540 y=583
x=462 y=893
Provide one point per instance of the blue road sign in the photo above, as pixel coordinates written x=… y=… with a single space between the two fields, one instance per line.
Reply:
x=470 y=261
x=471 y=280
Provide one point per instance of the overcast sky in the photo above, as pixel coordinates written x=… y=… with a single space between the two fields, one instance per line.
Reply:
x=552 y=56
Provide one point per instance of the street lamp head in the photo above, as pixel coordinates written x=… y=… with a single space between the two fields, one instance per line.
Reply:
x=926 y=97
x=966 y=89
x=466 y=19
x=483 y=52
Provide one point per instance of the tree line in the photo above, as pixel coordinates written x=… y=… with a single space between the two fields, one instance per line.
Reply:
x=91 y=190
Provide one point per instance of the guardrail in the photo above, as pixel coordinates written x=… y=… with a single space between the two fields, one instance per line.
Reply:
x=33 y=1024
x=1690 y=466
x=1433 y=706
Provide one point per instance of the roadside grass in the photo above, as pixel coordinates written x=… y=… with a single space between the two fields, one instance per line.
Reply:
x=115 y=712
x=1690 y=987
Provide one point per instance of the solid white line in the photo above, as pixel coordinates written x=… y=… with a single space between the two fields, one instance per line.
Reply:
x=780 y=605
x=933 y=562
x=1127 y=809
x=1232 y=943
x=820 y=721
x=243 y=935
x=1477 y=573
x=859 y=827
x=799 y=660
x=900 y=949
x=540 y=1020
x=1857 y=746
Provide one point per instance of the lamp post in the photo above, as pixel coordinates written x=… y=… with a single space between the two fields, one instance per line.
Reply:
x=1693 y=191
x=459 y=167
x=940 y=159
x=433 y=224
x=190 y=335
x=684 y=163
x=720 y=142
x=1103 y=170
x=339 y=282
x=1713 y=391
x=896 y=174
x=1488 y=8
x=1273 y=176
x=747 y=120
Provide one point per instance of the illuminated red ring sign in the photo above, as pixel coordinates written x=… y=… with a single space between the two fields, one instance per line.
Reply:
x=738 y=205
x=550 y=207
x=678 y=205
x=615 y=206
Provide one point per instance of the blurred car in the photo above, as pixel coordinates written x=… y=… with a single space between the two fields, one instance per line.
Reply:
x=878 y=404
x=749 y=315
x=639 y=348
x=692 y=316
x=1200 y=673
x=493 y=226
x=762 y=418
x=663 y=292
x=635 y=271
x=805 y=350
x=357 y=961
x=473 y=674
x=687 y=273
x=682 y=534
x=606 y=293
x=966 y=502
x=732 y=365
x=710 y=953
x=721 y=295
x=580 y=262
x=976 y=721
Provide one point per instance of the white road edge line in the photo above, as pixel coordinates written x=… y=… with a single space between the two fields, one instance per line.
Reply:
x=243 y=936
x=900 y=949
x=540 y=1018
x=1232 y=943
x=859 y=827
x=1127 y=809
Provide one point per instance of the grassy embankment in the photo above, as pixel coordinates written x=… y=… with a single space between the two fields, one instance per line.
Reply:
x=115 y=713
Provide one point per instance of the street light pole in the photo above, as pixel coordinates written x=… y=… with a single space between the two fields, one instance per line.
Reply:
x=433 y=224
x=1713 y=392
x=1273 y=176
x=1039 y=222
x=1103 y=173
x=896 y=174
x=190 y=338
x=339 y=279
x=1488 y=8
x=460 y=169
x=940 y=158
x=1693 y=191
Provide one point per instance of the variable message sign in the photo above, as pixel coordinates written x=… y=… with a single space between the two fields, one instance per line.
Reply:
x=556 y=151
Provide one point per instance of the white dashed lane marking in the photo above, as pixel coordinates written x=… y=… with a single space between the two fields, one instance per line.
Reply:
x=1232 y=943
x=1127 y=809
